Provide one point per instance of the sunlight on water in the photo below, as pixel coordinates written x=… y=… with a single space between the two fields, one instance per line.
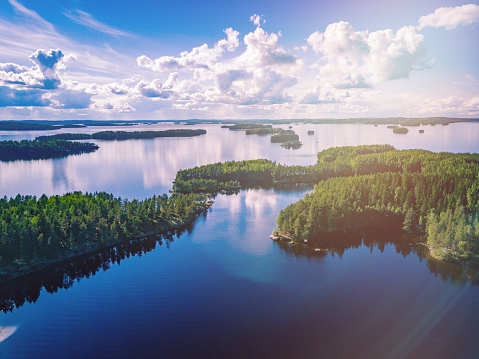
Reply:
x=6 y=332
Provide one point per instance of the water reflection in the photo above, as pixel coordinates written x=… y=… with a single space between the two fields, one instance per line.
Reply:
x=16 y=292
x=141 y=168
x=404 y=244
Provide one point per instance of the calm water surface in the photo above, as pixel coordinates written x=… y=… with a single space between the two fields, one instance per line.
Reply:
x=223 y=289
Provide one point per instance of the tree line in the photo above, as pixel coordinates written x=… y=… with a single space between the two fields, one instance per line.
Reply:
x=56 y=226
x=27 y=150
x=430 y=194
x=124 y=135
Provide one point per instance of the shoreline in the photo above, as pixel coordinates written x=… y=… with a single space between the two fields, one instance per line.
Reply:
x=19 y=268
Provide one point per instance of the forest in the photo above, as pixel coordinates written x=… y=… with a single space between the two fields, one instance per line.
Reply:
x=28 y=150
x=124 y=135
x=56 y=227
x=435 y=195
x=431 y=194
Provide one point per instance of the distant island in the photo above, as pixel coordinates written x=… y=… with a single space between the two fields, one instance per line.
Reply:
x=401 y=130
x=124 y=135
x=52 y=148
x=39 y=125
x=31 y=125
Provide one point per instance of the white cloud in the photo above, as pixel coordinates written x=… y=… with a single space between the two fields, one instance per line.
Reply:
x=448 y=106
x=358 y=59
x=256 y=19
x=258 y=75
x=450 y=17
x=86 y=19
x=199 y=57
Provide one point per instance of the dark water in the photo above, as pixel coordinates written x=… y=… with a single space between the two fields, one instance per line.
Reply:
x=223 y=289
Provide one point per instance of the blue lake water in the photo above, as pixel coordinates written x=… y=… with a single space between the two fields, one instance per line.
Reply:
x=223 y=289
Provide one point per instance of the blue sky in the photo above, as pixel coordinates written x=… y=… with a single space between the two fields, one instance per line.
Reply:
x=273 y=59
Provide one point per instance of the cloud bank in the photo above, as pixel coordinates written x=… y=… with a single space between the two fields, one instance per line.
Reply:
x=450 y=17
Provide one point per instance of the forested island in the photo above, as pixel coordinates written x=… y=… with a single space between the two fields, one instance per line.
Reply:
x=292 y=144
x=402 y=130
x=284 y=136
x=51 y=148
x=124 y=135
x=435 y=195
x=35 y=232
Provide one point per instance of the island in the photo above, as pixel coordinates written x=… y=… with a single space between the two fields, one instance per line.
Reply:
x=292 y=144
x=432 y=195
x=124 y=135
x=36 y=149
x=401 y=130
x=310 y=132
x=36 y=232
x=285 y=136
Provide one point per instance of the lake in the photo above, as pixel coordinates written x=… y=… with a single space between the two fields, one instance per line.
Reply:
x=222 y=288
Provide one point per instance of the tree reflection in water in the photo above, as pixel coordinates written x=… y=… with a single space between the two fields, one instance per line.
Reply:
x=405 y=244
x=14 y=293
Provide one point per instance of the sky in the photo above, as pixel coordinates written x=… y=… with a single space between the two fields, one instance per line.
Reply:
x=177 y=60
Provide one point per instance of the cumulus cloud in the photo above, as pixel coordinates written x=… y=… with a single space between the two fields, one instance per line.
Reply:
x=449 y=106
x=199 y=57
x=259 y=74
x=21 y=98
x=69 y=99
x=39 y=85
x=43 y=75
x=47 y=63
x=314 y=97
x=256 y=19
x=153 y=89
x=450 y=17
x=359 y=59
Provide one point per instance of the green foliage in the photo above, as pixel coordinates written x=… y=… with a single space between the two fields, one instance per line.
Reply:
x=51 y=148
x=292 y=144
x=400 y=130
x=419 y=191
x=65 y=136
x=33 y=227
x=223 y=176
x=264 y=131
x=284 y=137
x=246 y=126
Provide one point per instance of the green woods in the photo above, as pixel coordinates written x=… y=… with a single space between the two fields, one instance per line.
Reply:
x=124 y=135
x=26 y=150
x=75 y=223
x=430 y=194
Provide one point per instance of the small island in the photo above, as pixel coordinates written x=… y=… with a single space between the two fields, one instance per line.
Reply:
x=36 y=149
x=421 y=131
x=264 y=131
x=310 y=132
x=400 y=130
x=284 y=137
x=292 y=144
